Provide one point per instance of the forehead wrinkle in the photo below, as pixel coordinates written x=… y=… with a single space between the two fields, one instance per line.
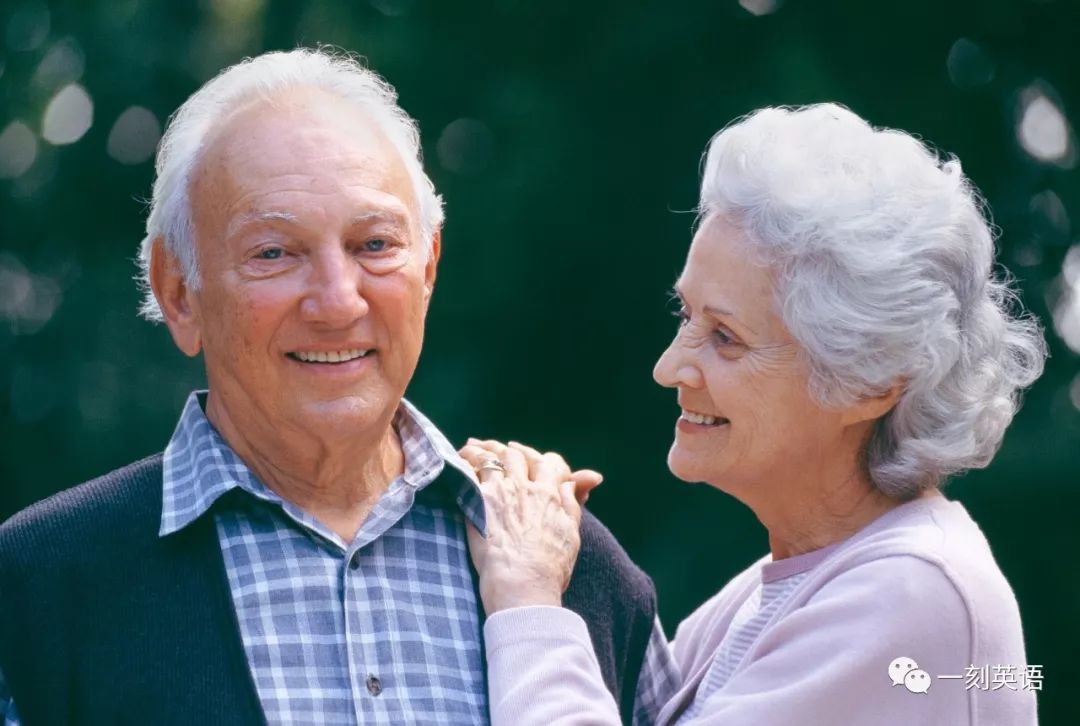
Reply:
x=318 y=129
x=233 y=165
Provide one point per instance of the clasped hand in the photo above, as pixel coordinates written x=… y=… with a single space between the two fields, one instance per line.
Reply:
x=533 y=516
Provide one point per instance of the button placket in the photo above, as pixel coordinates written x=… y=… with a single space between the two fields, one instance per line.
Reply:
x=357 y=654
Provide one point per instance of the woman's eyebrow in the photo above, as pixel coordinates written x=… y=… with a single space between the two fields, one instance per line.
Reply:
x=713 y=311
x=718 y=312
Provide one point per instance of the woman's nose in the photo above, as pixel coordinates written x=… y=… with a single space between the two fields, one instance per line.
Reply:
x=677 y=368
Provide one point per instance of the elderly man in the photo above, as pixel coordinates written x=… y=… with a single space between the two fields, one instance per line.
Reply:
x=298 y=552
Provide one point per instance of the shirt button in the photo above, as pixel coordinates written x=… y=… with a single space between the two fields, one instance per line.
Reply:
x=354 y=563
x=374 y=686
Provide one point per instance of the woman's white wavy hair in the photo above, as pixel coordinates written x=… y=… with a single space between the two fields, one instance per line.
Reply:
x=339 y=74
x=884 y=265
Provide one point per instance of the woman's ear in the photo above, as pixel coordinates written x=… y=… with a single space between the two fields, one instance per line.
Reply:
x=873 y=407
x=174 y=297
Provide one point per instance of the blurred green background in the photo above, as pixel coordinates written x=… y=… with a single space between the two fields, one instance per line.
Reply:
x=565 y=137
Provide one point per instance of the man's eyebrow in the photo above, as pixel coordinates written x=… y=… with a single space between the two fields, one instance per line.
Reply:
x=391 y=216
x=253 y=217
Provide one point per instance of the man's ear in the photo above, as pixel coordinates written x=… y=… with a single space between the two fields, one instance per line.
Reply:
x=873 y=407
x=432 y=264
x=174 y=298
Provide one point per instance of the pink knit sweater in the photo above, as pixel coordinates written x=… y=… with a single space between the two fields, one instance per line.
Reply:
x=920 y=582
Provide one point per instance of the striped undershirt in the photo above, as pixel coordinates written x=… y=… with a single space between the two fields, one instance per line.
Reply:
x=778 y=581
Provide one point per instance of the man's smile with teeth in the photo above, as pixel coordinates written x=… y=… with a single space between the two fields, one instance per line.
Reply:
x=701 y=418
x=333 y=356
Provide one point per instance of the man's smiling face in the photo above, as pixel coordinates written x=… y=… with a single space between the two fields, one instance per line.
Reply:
x=315 y=280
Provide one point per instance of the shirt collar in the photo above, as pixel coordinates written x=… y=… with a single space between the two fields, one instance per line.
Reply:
x=199 y=467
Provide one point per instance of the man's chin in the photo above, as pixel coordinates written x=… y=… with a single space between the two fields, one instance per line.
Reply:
x=346 y=416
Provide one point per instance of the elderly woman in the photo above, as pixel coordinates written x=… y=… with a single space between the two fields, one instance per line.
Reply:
x=843 y=347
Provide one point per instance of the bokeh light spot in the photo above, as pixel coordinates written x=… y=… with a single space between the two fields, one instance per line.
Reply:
x=134 y=136
x=1074 y=391
x=238 y=11
x=18 y=149
x=1067 y=312
x=968 y=65
x=1043 y=130
x=1049 y=218
x=68 y=116
x=63 y=64
x=1070 y=268
x=28 y=27
x=27 y=301
x=760 y=7
x=465 y=146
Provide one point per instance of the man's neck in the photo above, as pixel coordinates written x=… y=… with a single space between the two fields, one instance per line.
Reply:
x=338 y=482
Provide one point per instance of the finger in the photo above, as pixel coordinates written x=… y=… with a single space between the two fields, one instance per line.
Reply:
x=478 y=459
x=584 y=482
x=516 y=464
x=551 y=472
x=532 y=456
x=495 y=447
x=473 y=454
x=587 y=478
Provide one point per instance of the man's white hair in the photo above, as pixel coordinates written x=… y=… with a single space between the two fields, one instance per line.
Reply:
x=884 y=266
x=338 y=74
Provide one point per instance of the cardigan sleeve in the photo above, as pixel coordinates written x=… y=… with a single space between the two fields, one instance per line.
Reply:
x=542 y=670
x=828 y=660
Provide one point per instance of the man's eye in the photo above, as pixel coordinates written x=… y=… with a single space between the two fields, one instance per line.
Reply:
x=682 y=316
x=723 y=338
x=376 y=245
x=270 y=253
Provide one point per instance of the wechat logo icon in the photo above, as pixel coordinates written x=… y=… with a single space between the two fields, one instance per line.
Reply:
x=905 y=672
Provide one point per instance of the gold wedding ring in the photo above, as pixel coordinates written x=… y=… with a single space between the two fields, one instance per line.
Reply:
x=491 y=465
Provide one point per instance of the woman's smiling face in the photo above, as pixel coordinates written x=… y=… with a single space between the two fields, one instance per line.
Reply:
x=748 y=419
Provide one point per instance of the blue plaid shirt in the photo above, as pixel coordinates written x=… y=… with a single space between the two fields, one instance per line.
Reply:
x=382 y=629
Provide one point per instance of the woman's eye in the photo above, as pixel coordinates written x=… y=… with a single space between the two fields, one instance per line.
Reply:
x=724 y=338
x=270 y=253
x=682 y=316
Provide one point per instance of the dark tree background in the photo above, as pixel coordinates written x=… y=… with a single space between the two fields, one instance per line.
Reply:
x=565 y=137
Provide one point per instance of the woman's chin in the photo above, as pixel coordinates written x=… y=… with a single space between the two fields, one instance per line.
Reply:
x=684 y=466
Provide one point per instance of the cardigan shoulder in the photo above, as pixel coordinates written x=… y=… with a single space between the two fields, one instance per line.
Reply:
x=119 y=508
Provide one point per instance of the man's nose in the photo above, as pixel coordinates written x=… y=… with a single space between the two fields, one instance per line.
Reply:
x=676 y=367
x=335 y=294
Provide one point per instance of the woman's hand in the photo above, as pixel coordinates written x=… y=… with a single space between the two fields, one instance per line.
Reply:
x=533 y=517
